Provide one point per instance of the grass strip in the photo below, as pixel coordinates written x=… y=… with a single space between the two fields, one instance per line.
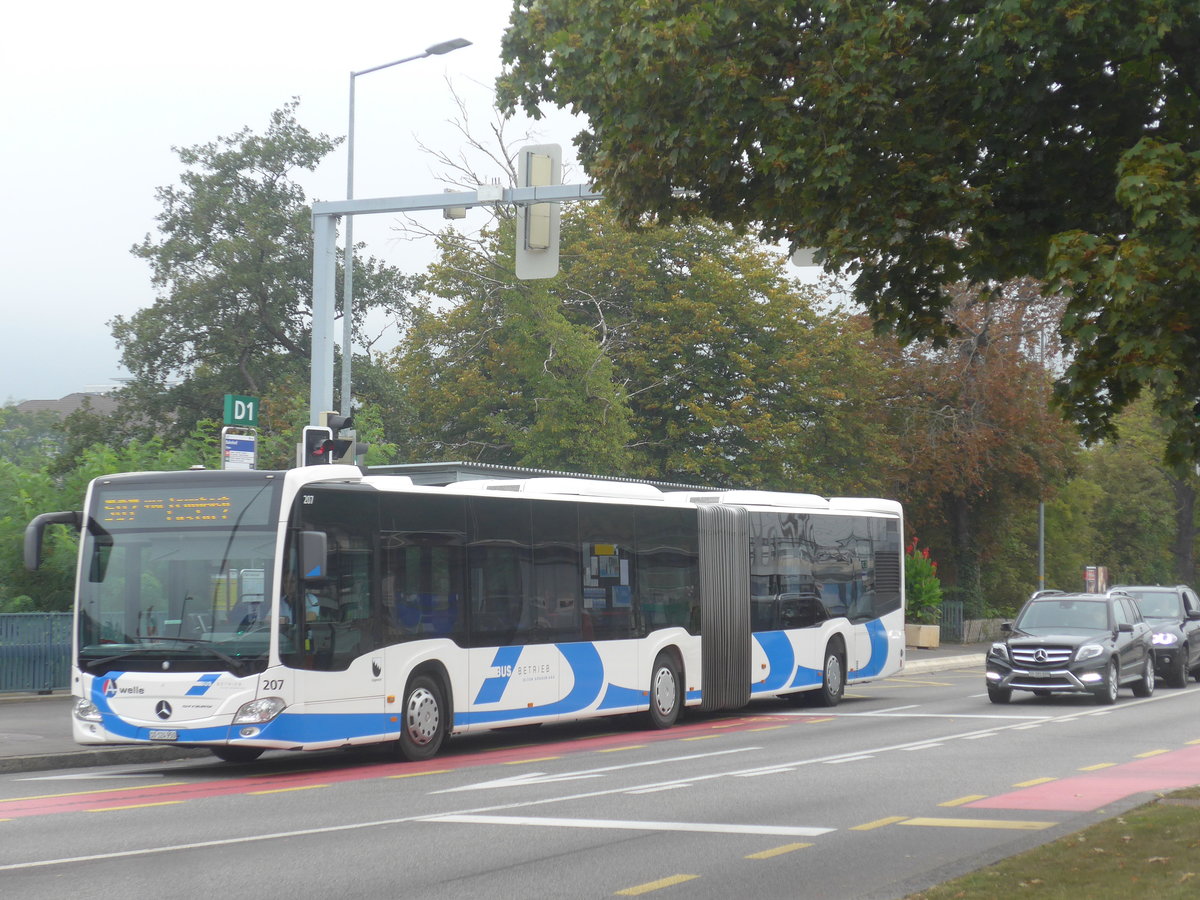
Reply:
x=1153 y=850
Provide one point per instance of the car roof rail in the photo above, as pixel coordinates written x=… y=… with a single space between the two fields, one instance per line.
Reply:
x=1045 y=593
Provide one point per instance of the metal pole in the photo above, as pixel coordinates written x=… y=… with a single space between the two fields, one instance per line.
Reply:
x=1041 y=546
x=348 y=263
x=348 y=255
x=320 y=396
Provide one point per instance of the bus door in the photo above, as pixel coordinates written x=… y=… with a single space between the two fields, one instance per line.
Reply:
x=328 y=633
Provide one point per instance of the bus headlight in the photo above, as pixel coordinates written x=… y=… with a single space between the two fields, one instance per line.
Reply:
x=259 y=711
x=86 y=710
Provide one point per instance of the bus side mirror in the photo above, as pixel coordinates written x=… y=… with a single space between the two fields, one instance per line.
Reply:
x=36 y=529
x=314 y=549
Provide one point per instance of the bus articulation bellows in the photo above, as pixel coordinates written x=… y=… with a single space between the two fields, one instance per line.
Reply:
x=322 y=607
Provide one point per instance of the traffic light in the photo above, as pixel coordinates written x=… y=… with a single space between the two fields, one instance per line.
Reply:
x=336 y=421
x=539 y=165
x=338 y=448
x=316 y=446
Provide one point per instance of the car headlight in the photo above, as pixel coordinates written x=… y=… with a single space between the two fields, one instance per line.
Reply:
x=259 y=711
x=999 y=650
x=86 y=710
x=1165 y=638
x=1089 y=651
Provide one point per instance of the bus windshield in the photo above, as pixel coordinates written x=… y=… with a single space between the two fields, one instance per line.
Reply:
x=177 y=576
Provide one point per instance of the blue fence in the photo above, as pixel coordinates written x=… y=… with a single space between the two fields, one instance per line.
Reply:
x=35 y=651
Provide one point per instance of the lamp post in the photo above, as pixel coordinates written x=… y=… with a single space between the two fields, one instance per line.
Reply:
x=348 y=273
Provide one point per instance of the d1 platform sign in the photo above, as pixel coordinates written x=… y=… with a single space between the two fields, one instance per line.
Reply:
x=241 y=411
x=238 y=451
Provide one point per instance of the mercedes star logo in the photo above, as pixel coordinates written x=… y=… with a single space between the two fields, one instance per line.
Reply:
x=1040 y=656
x=163 y=709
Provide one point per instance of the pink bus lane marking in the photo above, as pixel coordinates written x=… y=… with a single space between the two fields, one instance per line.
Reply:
x=1092 y=790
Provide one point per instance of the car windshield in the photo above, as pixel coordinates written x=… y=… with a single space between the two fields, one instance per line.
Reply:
x=1056 y=615
x=1159 y=604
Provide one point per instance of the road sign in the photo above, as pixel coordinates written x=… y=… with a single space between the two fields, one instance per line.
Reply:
x=241 y=411
x=238 y=451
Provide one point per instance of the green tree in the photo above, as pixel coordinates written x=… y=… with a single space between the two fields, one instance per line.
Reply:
x=919 y=145
x=732 y=373
x=233 y=266
x=30 y=436
x=1144 y=509
x=27 y=492
x=688 y=355
x=502 y=375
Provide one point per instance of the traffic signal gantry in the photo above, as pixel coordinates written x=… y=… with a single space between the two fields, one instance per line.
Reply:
x=539 y=196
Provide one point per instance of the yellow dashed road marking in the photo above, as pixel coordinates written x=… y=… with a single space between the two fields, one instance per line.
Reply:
x=970 y=798
x=135 y=806
x=778 y=851
x=303 y=787
x=979 y=823
x=879 y=823
x=655 y=885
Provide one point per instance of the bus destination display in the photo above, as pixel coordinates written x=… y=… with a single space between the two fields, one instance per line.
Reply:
x=160 y=509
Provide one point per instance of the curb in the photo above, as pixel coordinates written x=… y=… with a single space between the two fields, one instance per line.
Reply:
x=113 y=756
x=942 y=663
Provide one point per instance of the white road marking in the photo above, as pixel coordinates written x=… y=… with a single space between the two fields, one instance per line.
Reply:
x=633 y=825
x=529 y=778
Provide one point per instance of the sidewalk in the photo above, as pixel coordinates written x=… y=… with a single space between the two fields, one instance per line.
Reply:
x=35 y=734
x=35 y=729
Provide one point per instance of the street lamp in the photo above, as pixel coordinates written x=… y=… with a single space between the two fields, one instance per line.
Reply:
x=348 y=274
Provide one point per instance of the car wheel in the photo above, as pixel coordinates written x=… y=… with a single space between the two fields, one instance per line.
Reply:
x=1144 y=686
x=1177 y=675
x=1106 y=694
x=999 y=694
x=422 y=720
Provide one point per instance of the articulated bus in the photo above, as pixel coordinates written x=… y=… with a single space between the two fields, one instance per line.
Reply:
x=328 y=607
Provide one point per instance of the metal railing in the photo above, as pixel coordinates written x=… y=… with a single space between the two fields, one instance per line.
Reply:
x=952 y=622
x=35 y=652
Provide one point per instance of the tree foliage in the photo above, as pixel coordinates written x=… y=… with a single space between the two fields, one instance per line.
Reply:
x=676 y=352
x=233 y=267
x=980 y=446
x=918 y=144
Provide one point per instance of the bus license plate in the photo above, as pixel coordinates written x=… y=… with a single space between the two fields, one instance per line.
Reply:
x=164 y=735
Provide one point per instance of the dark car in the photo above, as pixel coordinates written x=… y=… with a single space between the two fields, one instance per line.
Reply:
x=1174 y=614
x=1073 y=643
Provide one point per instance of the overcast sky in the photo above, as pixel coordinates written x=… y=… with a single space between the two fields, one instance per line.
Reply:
x=95 y=95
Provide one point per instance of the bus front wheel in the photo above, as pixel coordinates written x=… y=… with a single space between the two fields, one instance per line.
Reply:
x=237 y=754
x=423 y=720
x=666 y=692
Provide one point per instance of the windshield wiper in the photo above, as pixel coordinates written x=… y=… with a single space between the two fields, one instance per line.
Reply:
x=235 y=665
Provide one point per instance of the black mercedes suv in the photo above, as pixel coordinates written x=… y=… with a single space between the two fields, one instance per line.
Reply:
x=1073 y=643
x=1174 y=614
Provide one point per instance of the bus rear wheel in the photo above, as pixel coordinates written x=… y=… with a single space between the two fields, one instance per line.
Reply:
x=666 y=692
x=423 y=719
x=833 y=678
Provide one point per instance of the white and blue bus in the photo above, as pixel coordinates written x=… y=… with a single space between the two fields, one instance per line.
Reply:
x=325 y=607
